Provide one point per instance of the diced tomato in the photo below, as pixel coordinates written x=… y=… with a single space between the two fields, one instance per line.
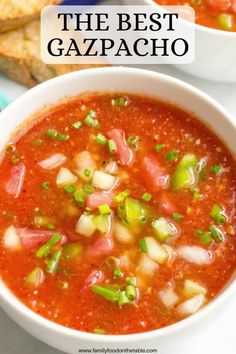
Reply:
x=33 y=238
x=15 y=183
x=124 y=153
x=155 y=176
x=95 y=277
x=102 y=247
x=167 y=204
x=220 y=5
x=98 y=198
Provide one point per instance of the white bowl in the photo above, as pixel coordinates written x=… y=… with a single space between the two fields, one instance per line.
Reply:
x=127 y=80
x=215 y=55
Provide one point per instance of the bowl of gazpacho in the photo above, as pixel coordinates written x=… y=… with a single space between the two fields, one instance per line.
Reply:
x=215 y=53
x=117 y=210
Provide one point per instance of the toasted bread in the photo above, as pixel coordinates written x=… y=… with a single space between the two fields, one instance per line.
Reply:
x=16 y=13
x=20 y=57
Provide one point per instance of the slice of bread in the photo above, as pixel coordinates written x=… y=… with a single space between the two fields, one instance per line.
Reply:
x=16 y=13
x=20 y=57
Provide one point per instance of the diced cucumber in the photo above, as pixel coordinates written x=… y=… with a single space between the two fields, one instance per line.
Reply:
x=102 y=223
x=163 y=228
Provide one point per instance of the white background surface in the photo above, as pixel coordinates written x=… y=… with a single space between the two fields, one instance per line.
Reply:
x=221 y=337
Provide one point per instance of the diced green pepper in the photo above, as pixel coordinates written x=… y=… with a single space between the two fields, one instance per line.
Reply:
x=34 y=279
x=226 y=21
x=72 y=250
x=135 y=213
x=186 y=174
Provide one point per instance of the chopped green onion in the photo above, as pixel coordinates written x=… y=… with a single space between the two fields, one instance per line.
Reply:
x=172 y=155
x=46 y=248
x=133 y=141
x=53 y=263
x=88 y=189
x=106 y=292
x=123 y=299
x=112 y=146
x=37 y=142
x=45 y=185
x=76 y=125
x=131 y=281
x=111 y=260
x=177 y=217
x=91 y=113
x=216 y=234
x=51 y=226
x=104 y=209
x=52 y=133
x=63 y=137
x=122 y=195
x=102 y=223
x=119 y=101
x=131 y=292
x=217 y=213
x=72 y=250
x=79 y=196
x=143 y=245
x=90 y=121
x=69 y=188
x=159 y=147
x=101 y=139
x=99 y=331
x=147 y=197
x=198 y=232
x=205 y=238
x=216 y=169
x=117 y=273
x=87 y=172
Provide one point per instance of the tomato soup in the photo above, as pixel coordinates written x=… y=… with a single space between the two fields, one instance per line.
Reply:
x=117 y=214
x=218 y=14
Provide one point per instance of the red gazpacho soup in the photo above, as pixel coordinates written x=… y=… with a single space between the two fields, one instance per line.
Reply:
x=117 y=214
x=218 y=14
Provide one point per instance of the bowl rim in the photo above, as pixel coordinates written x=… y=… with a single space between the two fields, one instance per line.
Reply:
x=213 y=31
x=8 y=298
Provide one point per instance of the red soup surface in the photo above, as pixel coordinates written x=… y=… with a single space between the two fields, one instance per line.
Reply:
x=117 y=214
x=218 y=14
